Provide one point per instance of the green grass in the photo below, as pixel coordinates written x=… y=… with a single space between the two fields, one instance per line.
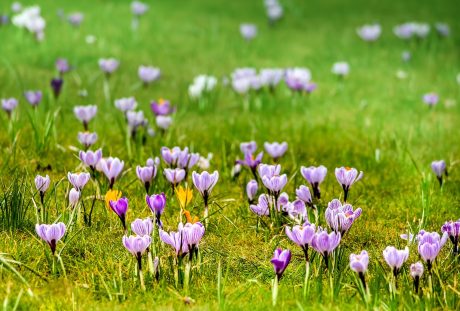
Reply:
x=342 y=123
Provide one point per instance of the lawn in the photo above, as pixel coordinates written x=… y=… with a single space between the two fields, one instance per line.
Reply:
x=373 y=119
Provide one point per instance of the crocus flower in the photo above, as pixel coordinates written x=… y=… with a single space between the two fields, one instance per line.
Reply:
x=274 y=12
x=146 y=174
x=135 y=119
x=176 y=239
x=275 y=184
x=248 y=147
x=148 y=74
x=416 y=272
x=162 y=107
x=163 y=122
x=126 y=104
x=157 y=204
x=87 y=139
x=108 y=65
x=346 y=177
x=33 y=97
x=78 y=180
x=112 y=195
x=302 y=235
x=430 y=99
x=315 y=176
x=204 y=183
x=341 y=69
x=269 y=170
x=142 y=227
x=62 y=65
x=111 y=167
x=174 y=176
x=42 y=184
x=193 y=233
x=251 y=190
x=325 y=243
x=404 y=31
x=85 y=114
x=276 y=150
x=297 y=78
x=120 y=207
x=359 y=263
x=395 y=258
x=9 y=104
x=303 y=193
x=202 y=84
x=429 y=245
x=74 y=197
x=369 y=33
x=271 y=77
x=51 y=234
x=340 y=217
x=56 y=86
x=281 y=259
x=139 y=8
x=236 y=170
x=248 y=31
x=296 y=210
x=452 y=229
x=439 y=168
x=91 y=158
x=75 y=19
x=310 y=87
x=251 y=162
x=137 y=246
x=262 y=208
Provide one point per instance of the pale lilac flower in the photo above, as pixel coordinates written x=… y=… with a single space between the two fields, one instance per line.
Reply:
x=303 y=193
x=91 y=158
x=16 y=7
x=404 y=31
x=429 y=245
x=108 y=65
x=157 y=204
x=276 y=150
x=33 y=97
x=137 y=245
x=74 y=197
x=153 y=162
x=430 y=99
x=9 y=104
x=263 y=206
x=42 y=184
x=62 y=65
x=452 y=229
x=439 y=168
x=271 y=77
x=126 y=104
x=310 y=87
x=193 y=233
x=135 y=119
x=139 y=8
x=148 y=74
x=296 y=210
x=341 y=69
x=325 y=243
x=269 y=170
x=78 y=180
x=251 y=190
x=111 y=167
x=416 y=272
x=282 y=201
x=297 y=78
x=421 y=30
x=85 y=114
x=302 y=235
x=281 y=259
x=340 y=217
x=75 y=19
x=248 y=147
x=146 y=174
x=174 y=176
x=142 y=227
x=51 y=234
x=248 y=31
x=369 y=33
x=359 y=263
x=346 y=177
x=236 y=170
x=204 y=183
x=176 y=239
x=164 y=122
x=251 y=162
x=274 y=12
x=275 y=184
x=395 y=258
x=87 y=139
x=120 y=207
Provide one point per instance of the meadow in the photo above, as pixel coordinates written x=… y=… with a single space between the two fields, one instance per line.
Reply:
x=373 y=119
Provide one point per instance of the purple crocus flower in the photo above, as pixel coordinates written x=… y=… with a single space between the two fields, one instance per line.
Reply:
x=271 y=77
x=91 y=158
x=9 y=104
x=176 y=239
x=157 y=204
x=62 y=65
x=416 y=272
x=281 y=259
x=340 y=69
x=126 y=104
x=275 y=184
x=276 y=150
x=120 y=207
x=56 y=86
x=262 y=208
x=429 y=245
x=297 y=79
x=174 y=176
x=146 y=174
x=204 y=183
x=137 y=246
x=248 y=31
x=248 y=147
x=142 y=227
x=135 y=119
x=325 y=243
x=296 y=210
x=111 y=167
x=74 y=197
x=251 y=190
x=452 y=229
x=369 y=33
x=33 y=97
x=359 y=263
x=440 y=169
x=302 y=236
x=163 y=122
x=315 y=176
x=162 y=107
x=431 y=99
x=78 y=180
x=139 y=8
x=310 y=87
x=108 y=65
x=42 y=184
x=346 y=177
x=51 y=234
x=75 y=19
x=193 y=233
x=395 y=258
x=148 y=74
x=85 y=114
x=251 y=162
x=153 y=162
x=269 y=170
x=340 y=217
x=87 y=139
x=303 y=193
x=175 y=156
